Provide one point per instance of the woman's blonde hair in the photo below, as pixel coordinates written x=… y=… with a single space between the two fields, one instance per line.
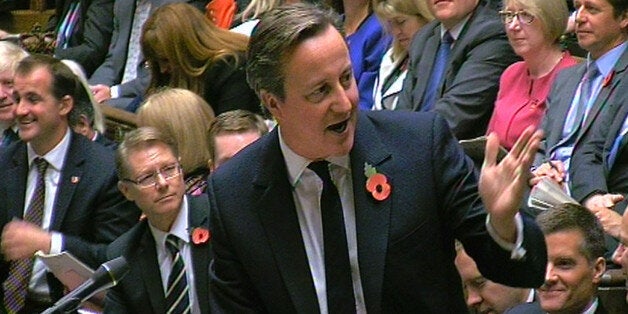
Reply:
x=553 y=15
x=388 y=9
x=184 y=116
x=180 y=35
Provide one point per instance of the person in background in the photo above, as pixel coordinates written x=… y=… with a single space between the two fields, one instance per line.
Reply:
x=402 y=19
x=620 y=256
x=368 y=42
x=169 y=252
x=185 y=117
x=534 y=29
x=483 y=295
x=250 y=15
x=58 y=189
x=575 y=265
x=336 y=208
x=230 y=132
x=455 y=65
x=185 y=50
x=10 y=56
x=88 y=120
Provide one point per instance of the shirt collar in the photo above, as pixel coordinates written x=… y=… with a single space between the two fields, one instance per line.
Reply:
x=179 y=226
x=607 y=61
x=296 y=164
x=592 y=307
x=56 y=156
x=456 y=30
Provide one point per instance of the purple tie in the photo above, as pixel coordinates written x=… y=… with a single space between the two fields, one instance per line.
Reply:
x=16 y=285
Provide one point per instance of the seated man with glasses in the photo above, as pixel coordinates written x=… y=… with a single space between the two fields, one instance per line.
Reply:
x=169 y=251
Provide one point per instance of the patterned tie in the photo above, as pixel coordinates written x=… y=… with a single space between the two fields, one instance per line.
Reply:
x=440 y=63
x=586 y=91
x=68 y=25
x=16 y=284
x=142 y=9
x=177 y=298
x=340 y=297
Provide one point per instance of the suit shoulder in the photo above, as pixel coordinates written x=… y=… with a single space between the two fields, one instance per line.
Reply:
x=126 y=243
x=526 y=308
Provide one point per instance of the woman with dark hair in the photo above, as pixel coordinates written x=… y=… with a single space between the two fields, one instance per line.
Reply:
x=186 y=50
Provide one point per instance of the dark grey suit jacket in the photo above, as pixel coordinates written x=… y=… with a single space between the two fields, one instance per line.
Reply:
x=405 y=243
x=141 y=290
x=467 y=94
x=89 y=210
x=535 y=308
x=89 y=43
x=559 y=102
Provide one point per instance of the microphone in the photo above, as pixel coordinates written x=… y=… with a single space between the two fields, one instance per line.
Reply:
x=105 y=277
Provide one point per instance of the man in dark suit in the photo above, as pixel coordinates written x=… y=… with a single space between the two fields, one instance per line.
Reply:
x=575 y=265
x=150 y=175
x=10 y=55
x=337 y=208
x=83 y=29
x=465 y=95
x=58 y=189
x=112 y=81
x=583 y=93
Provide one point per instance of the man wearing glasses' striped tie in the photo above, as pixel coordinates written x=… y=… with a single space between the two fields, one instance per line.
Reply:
x=169 y=251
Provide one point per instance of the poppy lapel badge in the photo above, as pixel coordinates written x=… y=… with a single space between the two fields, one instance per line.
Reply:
x=376 y=183
x=200 y=235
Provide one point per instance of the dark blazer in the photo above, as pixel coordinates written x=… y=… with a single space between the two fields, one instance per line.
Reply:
x=405 y=243
x=89 y=210
x=110 y=72
x=226 y=87
x=141 y=290
x=89 y=42
x=559 y=101
x=535 y=308
x=467 y=94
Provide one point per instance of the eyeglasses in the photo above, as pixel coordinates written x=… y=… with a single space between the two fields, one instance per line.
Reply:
x=150 y=180
x=523 y=16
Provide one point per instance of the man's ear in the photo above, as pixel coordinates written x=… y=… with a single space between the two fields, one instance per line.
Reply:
x=272 y=104
x=124 y=189
x=82 y=126
x=599 y=267
x=67 y=103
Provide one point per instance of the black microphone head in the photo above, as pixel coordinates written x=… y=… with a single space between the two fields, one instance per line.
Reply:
x=116 y=269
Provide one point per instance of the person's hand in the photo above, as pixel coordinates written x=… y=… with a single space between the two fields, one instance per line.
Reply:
x=21 y=239
x=601 y=205
x=502 y=184
x=101 y=92
x=553 y=169
x=3 y=34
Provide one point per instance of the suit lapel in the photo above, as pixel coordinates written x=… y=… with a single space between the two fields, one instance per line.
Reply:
x=71 y=175
x=17 y=191
x=426 y=63
x=198 y=216
x=562 y=108
x=372 y=217
x=150 y=273
x=280 y=222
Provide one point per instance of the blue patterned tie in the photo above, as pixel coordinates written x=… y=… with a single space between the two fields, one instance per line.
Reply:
x=340 y=298
x=16 y=284
x=177 y=298
x=440 y=63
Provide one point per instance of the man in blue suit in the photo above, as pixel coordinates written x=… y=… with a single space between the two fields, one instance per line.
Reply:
x=58 y=188
x=344 y=211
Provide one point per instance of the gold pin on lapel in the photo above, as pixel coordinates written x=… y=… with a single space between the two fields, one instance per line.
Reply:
x=75 y=179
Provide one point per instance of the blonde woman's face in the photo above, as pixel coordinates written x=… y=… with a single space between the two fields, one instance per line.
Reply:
x=403 y=27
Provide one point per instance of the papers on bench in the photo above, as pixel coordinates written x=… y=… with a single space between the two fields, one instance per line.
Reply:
x=546 y=194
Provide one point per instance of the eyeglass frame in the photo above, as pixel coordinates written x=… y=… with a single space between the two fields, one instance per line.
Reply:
x=154 y=176
x=508 y=16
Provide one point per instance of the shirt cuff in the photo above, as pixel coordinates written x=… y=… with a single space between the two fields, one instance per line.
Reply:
x=115 y=91
x=56 y=243
x=517 y=252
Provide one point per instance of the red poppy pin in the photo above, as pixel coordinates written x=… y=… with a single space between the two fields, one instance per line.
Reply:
x=200 y=235
x=376 y=183
x=608 y=79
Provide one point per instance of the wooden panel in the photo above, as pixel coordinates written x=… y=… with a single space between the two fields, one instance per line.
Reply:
x=118 y=122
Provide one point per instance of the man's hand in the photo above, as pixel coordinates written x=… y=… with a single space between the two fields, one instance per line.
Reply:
x=554 y=169
x=21 y=239
x=502 y=184
x=602 y=206
x=101 y=92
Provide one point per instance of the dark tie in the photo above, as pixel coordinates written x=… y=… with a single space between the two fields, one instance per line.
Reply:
x=440 y=63
x=340 y=298
x=177 y=297
x=16 y=284
x=8 y=137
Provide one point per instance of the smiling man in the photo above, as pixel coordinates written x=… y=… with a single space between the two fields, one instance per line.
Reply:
x=343 y=211
x=10 y=55
x=575 y=265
